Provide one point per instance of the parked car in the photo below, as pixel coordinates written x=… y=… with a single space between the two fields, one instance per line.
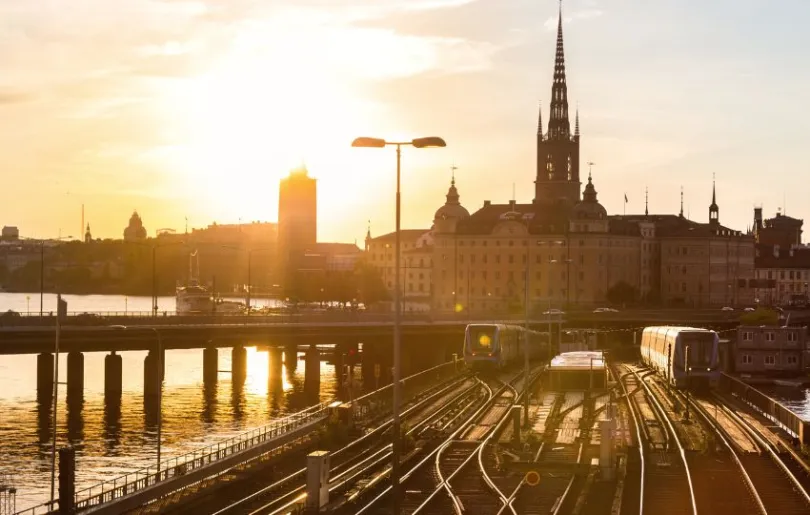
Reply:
x=554 y=311
x=749 y=309
x=726 y=308
x=605 y=310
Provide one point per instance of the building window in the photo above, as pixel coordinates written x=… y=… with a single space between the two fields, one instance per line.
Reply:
x=792 y=360
x=511 y=259
x=769 y=337
x=461 y=258
x=472 y=259
x=791 y=337
x=524 y=259
x=484 y=259
x=511 y=243
x=511 y=275
x=497 y=275
x=498 y=259
x=790 y=274
x=582 y=276
x=747 y=336
x=538 y=259
x=537 y=276
x=484 y=275
x=746 y=359
x=770 y=360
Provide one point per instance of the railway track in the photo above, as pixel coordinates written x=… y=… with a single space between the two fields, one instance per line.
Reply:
x=664 y=480
x=450 y=477
x=289 y=491
x=742 y=474
x=768 y=474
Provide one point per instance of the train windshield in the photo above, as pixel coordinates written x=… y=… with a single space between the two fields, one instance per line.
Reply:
x=701 y=346
x=482 y=338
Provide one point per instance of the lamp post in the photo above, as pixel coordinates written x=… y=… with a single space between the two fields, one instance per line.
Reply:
x=380 y=143
x=42 y=266
x=249 y=271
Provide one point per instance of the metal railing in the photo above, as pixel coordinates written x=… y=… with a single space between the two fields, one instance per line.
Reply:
x=380 y=401
x=128 y=484
x=770 y=408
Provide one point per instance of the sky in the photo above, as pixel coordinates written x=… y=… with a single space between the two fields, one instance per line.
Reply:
x=196 y=108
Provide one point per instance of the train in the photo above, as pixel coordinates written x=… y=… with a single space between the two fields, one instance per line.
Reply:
x=664 y=349
x=496 y=346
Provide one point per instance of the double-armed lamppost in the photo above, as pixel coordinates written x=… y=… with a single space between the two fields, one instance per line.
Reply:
x=429 y=142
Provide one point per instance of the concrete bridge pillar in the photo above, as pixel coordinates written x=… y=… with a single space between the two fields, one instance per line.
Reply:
x=151 y=378
x=291 y=356
x=75 y=374
x=44 y=376
x=210 y=365
x=274 y=359
x=112 y=377
x=238 y=365
x=312 y=370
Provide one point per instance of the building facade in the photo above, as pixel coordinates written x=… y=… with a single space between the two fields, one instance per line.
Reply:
x=563 y=249
x=782 y=275
x=770 y=350
x=297 y=220
x=135 y=231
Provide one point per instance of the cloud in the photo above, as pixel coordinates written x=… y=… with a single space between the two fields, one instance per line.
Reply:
x=14 y=97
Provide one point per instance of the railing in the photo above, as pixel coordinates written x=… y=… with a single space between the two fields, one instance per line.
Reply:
x=128 y=484
x=768 y=407
x=381 y=400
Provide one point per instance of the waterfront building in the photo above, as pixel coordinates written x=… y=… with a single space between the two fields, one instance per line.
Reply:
x=782 y=230
x=135 y=231
x=782 y=274
x=770 y=350
x=563 y=248
x=297 y=219
x=10 y=233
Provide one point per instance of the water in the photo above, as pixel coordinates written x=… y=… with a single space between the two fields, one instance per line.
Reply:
x=796 y=400
x=110 y=443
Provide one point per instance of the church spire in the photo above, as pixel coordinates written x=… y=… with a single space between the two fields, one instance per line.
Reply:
x=646 y=202
x=714 y=209
x=559 y=127
x=576 y=124
x=540 y=120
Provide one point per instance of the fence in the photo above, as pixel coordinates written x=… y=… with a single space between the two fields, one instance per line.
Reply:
x=380 y=401
x=188 y=463
x=770 y=408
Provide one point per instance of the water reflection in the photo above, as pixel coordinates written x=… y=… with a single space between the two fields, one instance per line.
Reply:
x=118 y=435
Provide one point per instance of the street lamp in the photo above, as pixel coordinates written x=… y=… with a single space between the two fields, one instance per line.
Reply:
x=42 y=265
x=429 y=142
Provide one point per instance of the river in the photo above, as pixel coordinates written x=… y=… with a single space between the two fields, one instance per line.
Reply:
x=110 y=443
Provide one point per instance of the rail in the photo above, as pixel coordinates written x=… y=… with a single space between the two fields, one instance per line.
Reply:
x=769 y=407
x=128 y=484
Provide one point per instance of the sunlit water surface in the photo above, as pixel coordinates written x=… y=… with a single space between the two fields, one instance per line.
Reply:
x=108 y=443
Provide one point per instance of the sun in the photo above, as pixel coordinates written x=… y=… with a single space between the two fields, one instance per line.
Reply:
x=256 y=115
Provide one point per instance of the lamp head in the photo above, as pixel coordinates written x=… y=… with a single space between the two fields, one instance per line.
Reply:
x=429 y=142
x=368 y=142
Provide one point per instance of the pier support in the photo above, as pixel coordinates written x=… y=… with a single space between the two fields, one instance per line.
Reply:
x=112 y=377
x=75 y=374
x=210 y=365
x=312 y=370
x=291 y=356
x=274 y=360
x=238 y=365
x=45 y=375
x=151 y=379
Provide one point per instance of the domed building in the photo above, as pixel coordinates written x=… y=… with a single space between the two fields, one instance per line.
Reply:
x=589 y=214
x=451 y=212
x=135 y=231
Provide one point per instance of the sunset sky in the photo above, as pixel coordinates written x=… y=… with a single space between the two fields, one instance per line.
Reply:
x=197 y=108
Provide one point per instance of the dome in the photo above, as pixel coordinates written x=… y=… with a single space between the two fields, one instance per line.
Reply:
x=452 y=209
x=589 y=208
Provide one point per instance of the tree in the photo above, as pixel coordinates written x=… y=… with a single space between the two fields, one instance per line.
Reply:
x=761 y=316
x=370 y=286
x=622 y=293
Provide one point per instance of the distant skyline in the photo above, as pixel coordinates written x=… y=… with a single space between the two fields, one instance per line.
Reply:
x=196 y=108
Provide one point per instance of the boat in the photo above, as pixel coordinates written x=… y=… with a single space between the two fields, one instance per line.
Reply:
x=193 y=298
x=228 y=307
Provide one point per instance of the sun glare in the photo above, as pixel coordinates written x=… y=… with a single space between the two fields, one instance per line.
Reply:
x=264 y=109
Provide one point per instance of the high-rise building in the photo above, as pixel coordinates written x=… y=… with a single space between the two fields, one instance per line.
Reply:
x=297 y=220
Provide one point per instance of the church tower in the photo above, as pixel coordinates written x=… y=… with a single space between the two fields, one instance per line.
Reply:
x=714 y=209
x=557 y=149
